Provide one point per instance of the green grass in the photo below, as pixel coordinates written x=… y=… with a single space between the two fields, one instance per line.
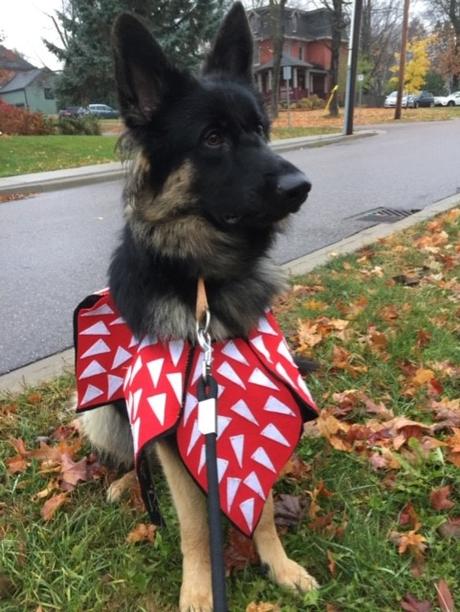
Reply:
x=27 y=154
x=81 y=561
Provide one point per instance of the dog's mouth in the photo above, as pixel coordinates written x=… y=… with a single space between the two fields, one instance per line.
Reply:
x=232 y=219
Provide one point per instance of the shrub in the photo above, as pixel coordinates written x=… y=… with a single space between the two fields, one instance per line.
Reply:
x=87 y=125
x=14 y=120
x=311 y=102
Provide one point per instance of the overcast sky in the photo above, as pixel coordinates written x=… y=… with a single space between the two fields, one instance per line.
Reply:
x=24 y=23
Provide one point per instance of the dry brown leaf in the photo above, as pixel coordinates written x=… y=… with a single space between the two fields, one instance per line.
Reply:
x=410 y=541
x=445 y=599
x=52 y=505
x=439 y=498
x=331 y=562
x=451 y=528
x=262 y=607
x=16 y=464
x=142 y=533
x=72 y=472
x=408 y=517
x=411 y=604
x=422 y=377
x=239 y=552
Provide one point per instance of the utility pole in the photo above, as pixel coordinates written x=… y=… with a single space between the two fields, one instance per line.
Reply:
x=353 y=49
x=402 y=59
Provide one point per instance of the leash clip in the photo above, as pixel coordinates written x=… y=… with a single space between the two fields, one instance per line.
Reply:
x=204 y=340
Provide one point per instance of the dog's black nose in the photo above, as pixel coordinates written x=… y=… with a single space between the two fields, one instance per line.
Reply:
x=292 y=189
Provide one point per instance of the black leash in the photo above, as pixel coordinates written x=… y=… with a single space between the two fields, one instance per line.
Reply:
x=207 y=425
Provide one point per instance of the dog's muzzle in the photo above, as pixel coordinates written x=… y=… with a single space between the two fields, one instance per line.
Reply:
x=292 y=190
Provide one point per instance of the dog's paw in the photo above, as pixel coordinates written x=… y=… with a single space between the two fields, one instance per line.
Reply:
x=118 y=487
x=293 y=576
x=195 y=598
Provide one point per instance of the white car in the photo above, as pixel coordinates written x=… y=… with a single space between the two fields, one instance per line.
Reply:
x=406 y=100
x=440 y=100
x=453 y=99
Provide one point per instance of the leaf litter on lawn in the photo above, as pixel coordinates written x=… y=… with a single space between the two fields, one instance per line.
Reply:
x=367 y=500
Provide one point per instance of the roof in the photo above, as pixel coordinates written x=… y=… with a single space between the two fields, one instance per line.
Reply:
x=11 y=60
x=21 y=80
x=286 y=60
x=299 y=24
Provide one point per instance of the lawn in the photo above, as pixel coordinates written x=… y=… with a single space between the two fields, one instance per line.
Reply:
x=371 y=505
x=26 y=154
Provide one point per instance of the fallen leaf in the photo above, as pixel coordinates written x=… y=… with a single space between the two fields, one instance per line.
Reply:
x=410 y=604
x=296 y=469
x=411 y=542
x=422 y=376
x=451 y=528
x=289 y=510
x=72 y=472
x=409 y=517
x=439 y=498
x=16 y=464
x=445 y=599
x=239 y=552
x=52 y=505
x=262 y=607
x=141 y=533
x=331 y=562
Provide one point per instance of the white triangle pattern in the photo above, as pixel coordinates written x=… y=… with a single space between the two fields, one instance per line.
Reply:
x=237 y=443
x=194 y=437
x=190 y=403
x=259 y=378
x=247 y=509
x=232 y=487
x=231 y=350
x=135 y=433
x=102 y=310
x=176 y=348
x=243 y=410
x=98 y=329
x=98 y=348
x=114 y=383
x=91 y=393
x=273 y=433
x=222 y=465
x=198 y=368
x=258 y=342
x=121 y=356
x=175 y=380
x=253 y=483
x=136 y=399
x=302 y=385
x=222 y=423
x=265 y=327
x=158 y=404
x=118 y=321
x=284 y=351
x=260 y=456
x=274 y=405
x=226 y=370
x=147 y=341
x=282 y=371
x=136 y=369
x=202 y=458
x=92 y=369
x=154 y=367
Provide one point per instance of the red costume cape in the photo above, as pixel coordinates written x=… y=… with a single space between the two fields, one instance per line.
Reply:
x=262 y=401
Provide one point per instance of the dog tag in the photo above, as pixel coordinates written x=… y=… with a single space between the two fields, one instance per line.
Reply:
x=207 y=416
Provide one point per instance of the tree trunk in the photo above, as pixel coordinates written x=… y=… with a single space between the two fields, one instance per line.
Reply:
x=337 y=22
x=277 y=21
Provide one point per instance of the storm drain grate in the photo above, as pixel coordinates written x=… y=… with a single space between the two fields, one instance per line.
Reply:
x=384 y=215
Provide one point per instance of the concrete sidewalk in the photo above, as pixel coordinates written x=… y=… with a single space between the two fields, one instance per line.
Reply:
x=86 y=175
x=54 y=365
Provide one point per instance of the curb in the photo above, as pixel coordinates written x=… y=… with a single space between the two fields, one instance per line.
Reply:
x=41 y=182
x=50 y=367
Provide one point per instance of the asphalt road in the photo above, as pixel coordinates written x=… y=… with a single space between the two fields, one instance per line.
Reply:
x=55 y=247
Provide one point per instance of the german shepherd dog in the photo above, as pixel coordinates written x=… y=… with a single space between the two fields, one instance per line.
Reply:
x=205 y=197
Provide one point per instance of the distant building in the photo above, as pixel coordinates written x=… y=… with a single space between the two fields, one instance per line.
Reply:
x=24 y=85
x=307 y=49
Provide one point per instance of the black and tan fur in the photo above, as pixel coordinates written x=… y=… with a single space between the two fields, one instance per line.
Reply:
x=205 y=196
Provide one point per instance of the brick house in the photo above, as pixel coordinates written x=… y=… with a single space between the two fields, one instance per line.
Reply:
x=25 y=85
x=307 y=42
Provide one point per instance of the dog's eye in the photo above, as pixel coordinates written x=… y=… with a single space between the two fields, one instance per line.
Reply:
x=214 y=138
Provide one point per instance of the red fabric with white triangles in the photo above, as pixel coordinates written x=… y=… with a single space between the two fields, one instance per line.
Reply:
x=262 y=400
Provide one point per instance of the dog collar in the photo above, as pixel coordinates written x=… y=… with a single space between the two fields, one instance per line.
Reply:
x=262 y=401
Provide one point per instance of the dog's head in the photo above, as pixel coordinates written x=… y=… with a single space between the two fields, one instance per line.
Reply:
x=203 y=162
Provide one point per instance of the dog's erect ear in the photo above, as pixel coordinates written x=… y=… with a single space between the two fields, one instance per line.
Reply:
x=231 y=53
x=142 y=71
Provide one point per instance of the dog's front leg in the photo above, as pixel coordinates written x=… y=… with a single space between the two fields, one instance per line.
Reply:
x=282 y=570
x=190 y=503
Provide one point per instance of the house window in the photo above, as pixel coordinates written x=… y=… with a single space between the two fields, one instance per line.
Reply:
x=256 y=54
x=49 y=93
x=300 y=53
x=294 y=22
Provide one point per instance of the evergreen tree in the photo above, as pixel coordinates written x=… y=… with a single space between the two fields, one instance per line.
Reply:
x=183 y=27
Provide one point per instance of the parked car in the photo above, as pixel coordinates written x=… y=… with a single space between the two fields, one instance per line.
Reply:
x=453 y=99
x=72 y=111
x=407 y=101
x=424 y=98
x=440 y=100
x=103 y=111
